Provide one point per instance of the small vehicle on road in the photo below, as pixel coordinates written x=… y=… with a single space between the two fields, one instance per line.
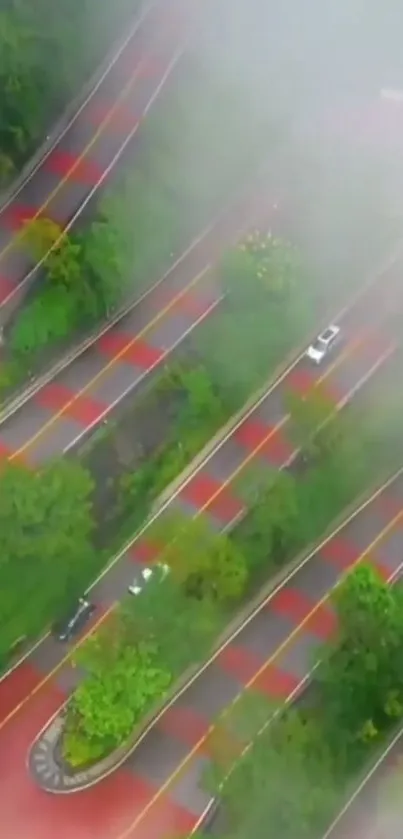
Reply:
x=325 y=343
x=159 y=572
x=66 y=629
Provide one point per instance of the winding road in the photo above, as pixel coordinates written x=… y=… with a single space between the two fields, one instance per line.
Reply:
x=157 y=792
x=73 y=168
x=58 y=414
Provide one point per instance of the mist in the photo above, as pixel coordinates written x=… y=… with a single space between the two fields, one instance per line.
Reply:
x=311 y=75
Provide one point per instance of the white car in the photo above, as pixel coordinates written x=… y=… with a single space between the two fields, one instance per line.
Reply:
x=324 y=344
x=139 y=583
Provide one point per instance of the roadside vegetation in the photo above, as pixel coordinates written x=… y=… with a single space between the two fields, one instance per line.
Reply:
x=212 y=575
x=149 y=213
x=47 y=551
x=183 y=407
x=113 y=513
x=302 y=762
x=48 y=52
x=265 y=314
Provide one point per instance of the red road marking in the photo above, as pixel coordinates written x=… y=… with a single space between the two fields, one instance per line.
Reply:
x=322 y=623
x=57 y=397
x=203 y=490
x=16 y=215
x=184 y=724
x=136 y=351
x=6 y=288
x=144 y=551
x=76 y=168
x=295 y=605
x=29 y=813
x=16 y=686
x=340 y=552
x=238 y=661
x=276 y=683
x=5 y=451
x=344 y=555
x=301 y=380
x=252 y=434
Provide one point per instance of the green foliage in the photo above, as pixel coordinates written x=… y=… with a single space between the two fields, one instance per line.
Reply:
x=288 y=513
x=299 y=764
x=142 y=222
x=46 y=554
x=284 y=785
x=361 y=672
x=271 y=530
x=46 y=320
x=265 y=315
x=199 y=414
x=83 y=285
x=182 y=629
x=208 y=565
x=308 y=414
x=122 y=683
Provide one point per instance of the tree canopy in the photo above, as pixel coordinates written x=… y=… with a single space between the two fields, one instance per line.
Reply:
x=46 y=554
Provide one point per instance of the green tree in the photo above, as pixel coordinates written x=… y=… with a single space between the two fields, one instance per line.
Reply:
x=105 y=260
x=207 y=564
x=310 y=424
x=283 y=785
x=271 y=530
x=181 y=629
x=122 y=682
x=47 y=240
x=46 y=554
x=263 y=316
x=360 y=672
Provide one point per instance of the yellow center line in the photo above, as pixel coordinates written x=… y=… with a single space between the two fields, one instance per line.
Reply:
x=109 y=365
x=67 y=658
x=125 y=92
x=265 y=666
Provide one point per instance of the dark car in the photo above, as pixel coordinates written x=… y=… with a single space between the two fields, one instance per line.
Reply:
x=75 y=621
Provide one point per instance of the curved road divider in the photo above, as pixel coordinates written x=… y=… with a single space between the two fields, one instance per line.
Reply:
x=58 y=781
x=53 y=777
x=196 y=463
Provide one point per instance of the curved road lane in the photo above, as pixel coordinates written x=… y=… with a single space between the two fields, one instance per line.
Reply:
x=62 y=412
x=69 y=175
x=157 y=791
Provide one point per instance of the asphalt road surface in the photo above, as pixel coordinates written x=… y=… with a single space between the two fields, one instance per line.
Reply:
x=157 y=793
x=62 y=412
x=85 y=153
